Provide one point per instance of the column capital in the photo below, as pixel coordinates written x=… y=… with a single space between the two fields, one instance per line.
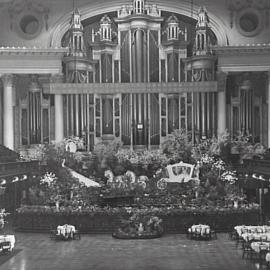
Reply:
x=34 y=84
x=44 y=78
x=57 y=78
x=8 y=79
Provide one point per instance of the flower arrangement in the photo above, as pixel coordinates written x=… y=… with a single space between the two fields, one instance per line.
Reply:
x=229 y=177
x=93 y=210
x=3 y=214
x=79 y=142
x=142 y=163
x=48 y=178
x=178 y=146
x=35 y=152
x=243 y=145
x=139 y=226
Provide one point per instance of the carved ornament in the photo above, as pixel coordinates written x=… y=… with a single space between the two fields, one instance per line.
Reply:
x=237 y=7
x=19 y=8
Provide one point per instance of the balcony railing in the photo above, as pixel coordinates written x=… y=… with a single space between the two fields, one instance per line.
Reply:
x=10 y=169
x=257 y=166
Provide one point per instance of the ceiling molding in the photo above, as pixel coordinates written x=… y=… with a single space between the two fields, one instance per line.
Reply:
x=33 y=51
x=242 y=49
x=90 y=10
x=22 y=60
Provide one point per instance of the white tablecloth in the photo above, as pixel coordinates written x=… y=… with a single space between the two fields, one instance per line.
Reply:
x=200 y=229
x=256 y=236
x=257 y=246
x=8 y=238
x=66 y=230
x=252 y=229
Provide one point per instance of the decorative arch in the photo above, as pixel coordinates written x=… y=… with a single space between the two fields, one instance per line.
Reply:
x=88 y=11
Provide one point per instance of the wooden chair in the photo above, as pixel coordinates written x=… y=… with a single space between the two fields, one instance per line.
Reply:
x=188 y=234
x=77 y=233
x=262 y=260
x=53 y=233
x=248 y=252
x=196 y=235
x=268 y=262
x=239 y=241
x=233 y=235
x=5 y=246
x=213 y=234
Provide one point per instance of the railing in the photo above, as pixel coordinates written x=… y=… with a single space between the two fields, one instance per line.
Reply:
x=257 y=166
x=10 y=169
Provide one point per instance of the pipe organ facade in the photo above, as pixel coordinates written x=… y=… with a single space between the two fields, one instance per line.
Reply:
x=142 y=46
x=136 y=74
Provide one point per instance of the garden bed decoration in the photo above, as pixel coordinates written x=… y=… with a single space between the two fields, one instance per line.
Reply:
x=140 y=227
x=180 y=183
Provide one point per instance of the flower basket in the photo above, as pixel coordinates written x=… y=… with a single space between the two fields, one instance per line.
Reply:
x=3 y=214
x=140 y=227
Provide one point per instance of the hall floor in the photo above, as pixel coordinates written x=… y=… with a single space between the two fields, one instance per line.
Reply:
x=102 y=252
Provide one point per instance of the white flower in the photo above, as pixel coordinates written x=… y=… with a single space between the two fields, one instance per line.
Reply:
x=48 y=178
x=219 y=164
x=229 y=176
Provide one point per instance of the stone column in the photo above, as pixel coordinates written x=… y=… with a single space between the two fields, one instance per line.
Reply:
x=59 y=110
x=8 y=113
x=221 y=102
x=268 y=114
x=59 y=117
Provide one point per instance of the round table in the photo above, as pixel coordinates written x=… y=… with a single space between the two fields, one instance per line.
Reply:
x=9 y=238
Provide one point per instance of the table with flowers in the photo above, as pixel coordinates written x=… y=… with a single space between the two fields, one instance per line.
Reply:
x=258 y=246
x=259 y=233
x=262 y=248
x=7 y=242
x=199 y=231
x=66 y=231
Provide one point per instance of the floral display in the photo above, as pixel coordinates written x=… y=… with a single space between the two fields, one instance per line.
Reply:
x=140 y=226
x=48 y=178
x=243 y=145
x=79 y=142
x=200 y=232
x=128 y=178
x=3 y=215
x=177 y=147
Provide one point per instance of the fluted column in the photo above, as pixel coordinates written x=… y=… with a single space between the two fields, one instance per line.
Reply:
x=139 y=54
x=59 y=111
x=221 y=104
x=59 y=117
x=8 y=114
x=268 y=120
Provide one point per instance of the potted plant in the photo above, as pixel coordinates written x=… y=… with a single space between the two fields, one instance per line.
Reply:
x=140 y=226
x=3 y=215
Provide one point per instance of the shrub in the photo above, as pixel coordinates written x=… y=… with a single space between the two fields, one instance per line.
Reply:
x=177 y=146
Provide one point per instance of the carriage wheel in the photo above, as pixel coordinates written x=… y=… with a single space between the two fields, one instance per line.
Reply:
x=161 y=184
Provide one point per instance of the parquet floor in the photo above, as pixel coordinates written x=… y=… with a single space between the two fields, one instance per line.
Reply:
x=102 y=252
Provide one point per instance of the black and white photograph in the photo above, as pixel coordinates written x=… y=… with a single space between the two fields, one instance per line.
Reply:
x=134 y=134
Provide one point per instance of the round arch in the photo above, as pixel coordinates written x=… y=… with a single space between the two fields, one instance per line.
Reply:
x=88 y=11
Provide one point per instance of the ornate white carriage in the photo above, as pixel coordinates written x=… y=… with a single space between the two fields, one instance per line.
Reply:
x=177 y=173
